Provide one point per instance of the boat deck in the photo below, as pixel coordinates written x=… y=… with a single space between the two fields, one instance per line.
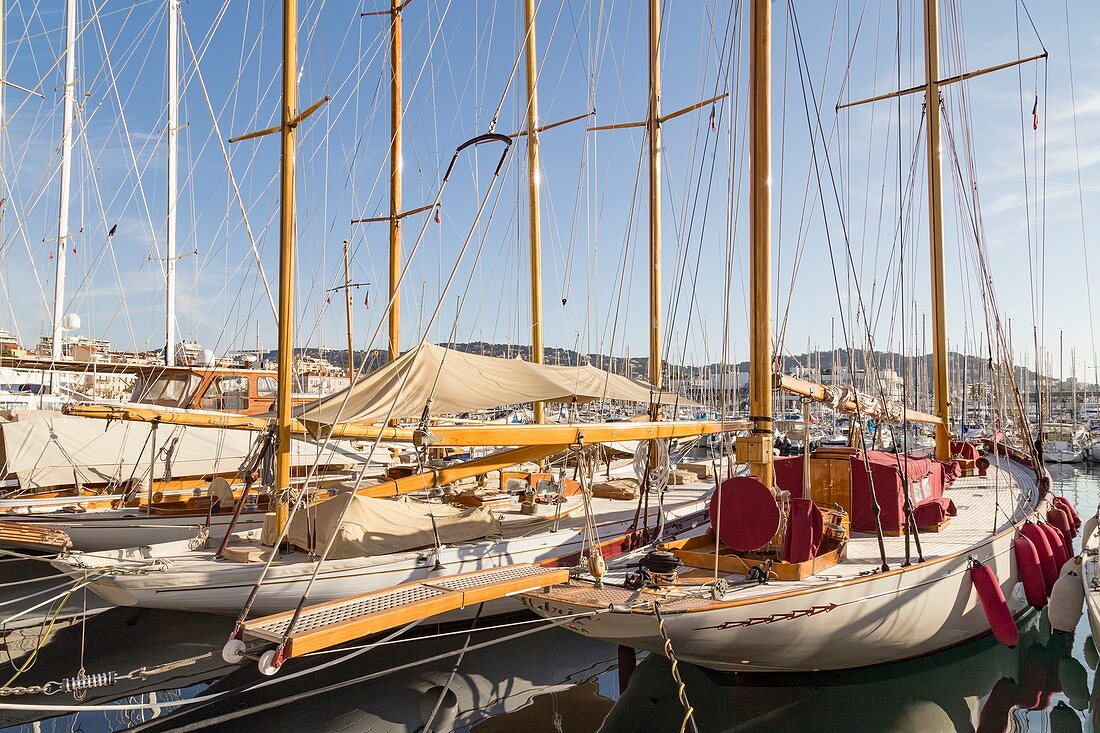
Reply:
x=986 y=505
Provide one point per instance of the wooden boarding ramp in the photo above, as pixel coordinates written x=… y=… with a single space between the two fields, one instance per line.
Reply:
x=328 y=624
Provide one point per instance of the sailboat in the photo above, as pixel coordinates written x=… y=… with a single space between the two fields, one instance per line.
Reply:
x=365 y=539
x=922 y=555
x=1063 y=443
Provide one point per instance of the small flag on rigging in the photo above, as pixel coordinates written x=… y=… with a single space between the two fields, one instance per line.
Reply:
x=1035 y=114
x=713 y=120
x=437 y=218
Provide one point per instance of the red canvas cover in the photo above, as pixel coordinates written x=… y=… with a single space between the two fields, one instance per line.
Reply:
x=926 y=480
x=964 y=450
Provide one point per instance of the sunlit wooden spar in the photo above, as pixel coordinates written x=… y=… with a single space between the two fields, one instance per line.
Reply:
x=484 y=434
x=851 y=401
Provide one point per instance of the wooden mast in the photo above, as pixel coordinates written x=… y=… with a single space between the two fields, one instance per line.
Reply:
x=288 y=134
x=533 y=203
x=941 y=398
x=653 y=130
x=396 y=104
x=760 y=344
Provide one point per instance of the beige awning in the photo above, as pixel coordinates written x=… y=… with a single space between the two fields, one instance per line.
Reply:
x=458 y=382
x=359 y=526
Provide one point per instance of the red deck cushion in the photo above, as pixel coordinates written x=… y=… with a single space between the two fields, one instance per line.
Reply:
x=744 y=513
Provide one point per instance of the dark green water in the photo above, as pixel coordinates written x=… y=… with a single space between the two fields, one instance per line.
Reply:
x=555 y=681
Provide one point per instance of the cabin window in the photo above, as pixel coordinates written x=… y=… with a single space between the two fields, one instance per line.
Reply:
x=266 y=387
x=167 y=390
x=227 y=393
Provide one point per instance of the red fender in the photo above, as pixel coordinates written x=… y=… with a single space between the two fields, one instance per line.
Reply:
x=1030 y=571
x=995 y=606
x=1059 y=519
x=1046 y=555
x=1057 y=545
x=1064 y=504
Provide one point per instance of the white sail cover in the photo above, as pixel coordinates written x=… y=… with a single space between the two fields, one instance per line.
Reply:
x=458 y=382
x=360 y=526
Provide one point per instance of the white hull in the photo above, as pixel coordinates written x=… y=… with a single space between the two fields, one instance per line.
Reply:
x=48 y=450
x=1090 y=577
x=1062 y=451
x=113 y=528
x=885 y=618
x=176 y=577
x=846 y=616
x=1063 y=456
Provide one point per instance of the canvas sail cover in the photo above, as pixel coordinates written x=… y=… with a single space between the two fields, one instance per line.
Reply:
x=373 y=527
x=459 y=382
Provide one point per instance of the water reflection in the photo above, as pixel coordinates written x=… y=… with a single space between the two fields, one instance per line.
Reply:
x=120 y=640
x=544 y=681
x=978 y=687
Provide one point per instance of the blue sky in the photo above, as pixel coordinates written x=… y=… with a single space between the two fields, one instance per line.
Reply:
x=459 y=58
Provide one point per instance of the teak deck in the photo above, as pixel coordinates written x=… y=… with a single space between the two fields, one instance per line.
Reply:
x=327 y=624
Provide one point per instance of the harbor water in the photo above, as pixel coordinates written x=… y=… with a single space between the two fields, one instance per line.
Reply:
x=517 y=673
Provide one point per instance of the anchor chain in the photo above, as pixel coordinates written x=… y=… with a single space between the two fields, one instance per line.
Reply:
x=81 y=683
x=47 y=689
x=681 y=688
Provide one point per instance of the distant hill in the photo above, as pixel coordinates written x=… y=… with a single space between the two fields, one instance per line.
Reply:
x=638 y=367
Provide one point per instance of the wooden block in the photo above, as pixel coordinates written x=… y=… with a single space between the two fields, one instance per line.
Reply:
x=269 y=531
x=702 y=470
x=400 y=471
x=243 y=553
x=682 y=476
